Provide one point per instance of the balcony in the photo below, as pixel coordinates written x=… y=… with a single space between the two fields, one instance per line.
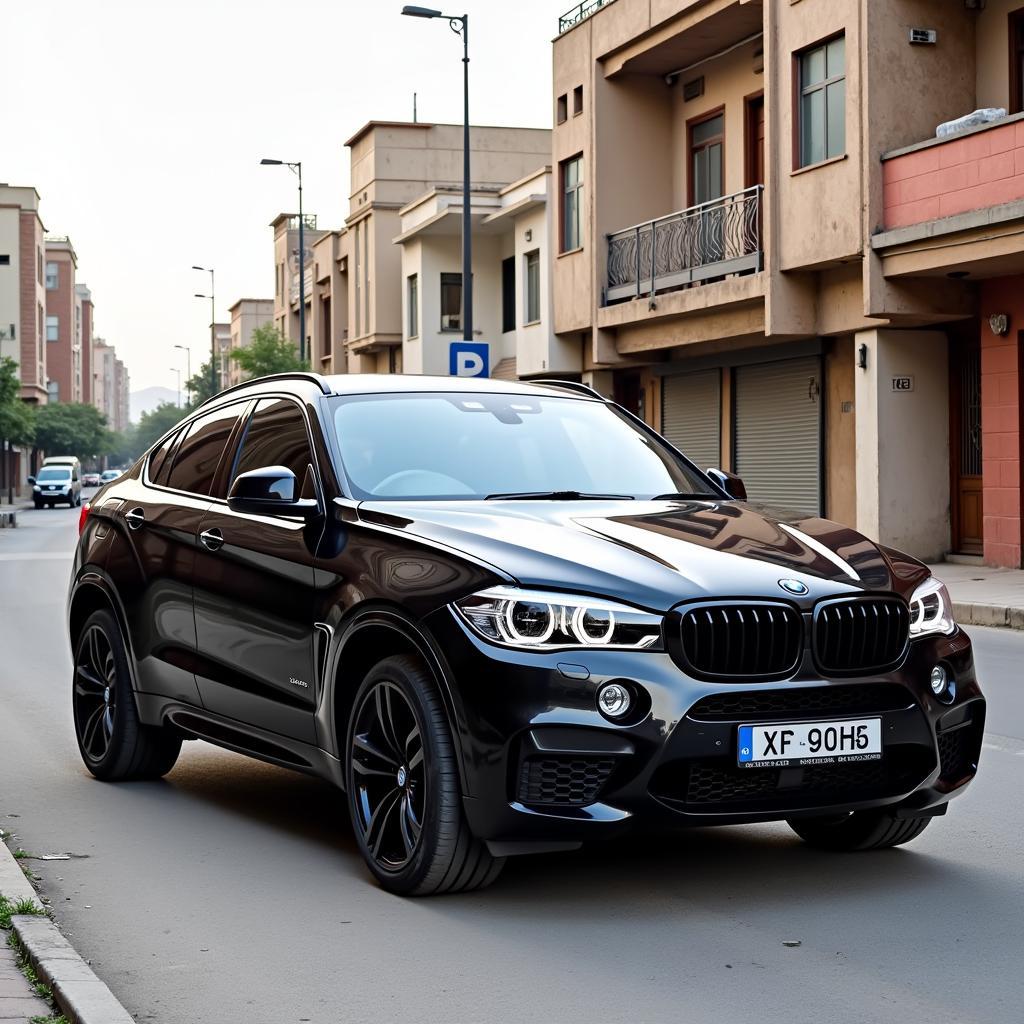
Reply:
x=580 y=13
x=711 y=240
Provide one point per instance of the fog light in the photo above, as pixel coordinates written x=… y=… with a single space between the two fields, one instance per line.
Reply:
x=939 y=680
x=613 y=700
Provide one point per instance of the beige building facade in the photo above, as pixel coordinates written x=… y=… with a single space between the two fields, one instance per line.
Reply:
x=746 y=249
x=246 y=315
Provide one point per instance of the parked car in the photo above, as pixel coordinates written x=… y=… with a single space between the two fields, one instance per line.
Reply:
x=110 y=474
x=56 y=482
x=91 y=480
x=507 y=618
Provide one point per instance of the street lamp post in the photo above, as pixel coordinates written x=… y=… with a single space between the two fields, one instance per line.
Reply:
x=177 y=370
x=213 y=327
x=188 y=371
x=459 y=24
x=296 y=168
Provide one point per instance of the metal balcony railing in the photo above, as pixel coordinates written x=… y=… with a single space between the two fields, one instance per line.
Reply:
x=713 y=239
x=579 y=13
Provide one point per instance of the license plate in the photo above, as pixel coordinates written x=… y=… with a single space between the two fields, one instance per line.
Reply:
x=763 y=746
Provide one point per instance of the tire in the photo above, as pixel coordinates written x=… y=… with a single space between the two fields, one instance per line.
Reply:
x=399 y=698
x=38 y=504
x=858 y=831
x=114 y=744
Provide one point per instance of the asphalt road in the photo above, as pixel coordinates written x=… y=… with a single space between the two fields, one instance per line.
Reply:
x=232 y=891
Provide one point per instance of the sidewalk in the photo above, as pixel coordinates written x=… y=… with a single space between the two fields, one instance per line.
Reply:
x=984 y=596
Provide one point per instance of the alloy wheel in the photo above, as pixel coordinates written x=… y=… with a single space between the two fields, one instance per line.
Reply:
x=95 y=693
x=388 y=774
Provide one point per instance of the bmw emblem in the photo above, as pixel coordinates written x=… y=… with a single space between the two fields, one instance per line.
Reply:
x=793 y=587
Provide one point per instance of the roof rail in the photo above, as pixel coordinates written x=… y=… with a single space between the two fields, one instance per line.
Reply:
x=571 y=385
x=307 y=375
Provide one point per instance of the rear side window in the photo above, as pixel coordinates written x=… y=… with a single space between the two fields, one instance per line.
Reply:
x=159 y=464
x=276 y=436
x=199 y=453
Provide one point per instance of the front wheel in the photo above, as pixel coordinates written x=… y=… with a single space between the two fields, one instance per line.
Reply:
x=114 y=744
x=858 y=831
x=403 y=786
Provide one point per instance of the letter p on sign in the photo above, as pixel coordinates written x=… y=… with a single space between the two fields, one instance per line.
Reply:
x=468 y=359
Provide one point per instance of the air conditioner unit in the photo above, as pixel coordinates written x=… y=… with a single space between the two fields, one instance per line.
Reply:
x=923 y=36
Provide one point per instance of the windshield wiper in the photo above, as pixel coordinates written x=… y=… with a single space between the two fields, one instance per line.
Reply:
x=556 y=496
x=695 y=496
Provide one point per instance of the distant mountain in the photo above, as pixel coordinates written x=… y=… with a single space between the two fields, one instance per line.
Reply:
x=148 y=399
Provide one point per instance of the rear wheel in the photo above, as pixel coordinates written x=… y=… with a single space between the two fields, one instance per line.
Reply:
x=114 y=744
x=858 y=831
x=38 y=504
x=403 y=786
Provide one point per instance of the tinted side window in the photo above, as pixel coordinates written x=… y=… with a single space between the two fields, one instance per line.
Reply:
x=159 y=464
x=276 y=437
x=199 y=453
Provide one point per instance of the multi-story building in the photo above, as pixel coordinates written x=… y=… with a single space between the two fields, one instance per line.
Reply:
x=85 y=303
x=512 y=300
x=63 y=322
x=22 y=291
x=287 y=292
x=246 y=316
x=104 y=395
x=766 y=250
x=221 y=333
x=121 y=404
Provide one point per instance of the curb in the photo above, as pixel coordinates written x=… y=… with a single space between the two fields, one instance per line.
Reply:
x=79 y=994
x=970 y=614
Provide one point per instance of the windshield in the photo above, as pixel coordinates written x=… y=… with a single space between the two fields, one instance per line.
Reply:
x=471 y=446
x=54 y=473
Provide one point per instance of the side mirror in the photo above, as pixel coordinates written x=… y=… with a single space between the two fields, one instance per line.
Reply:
x=32 y=480
x=270 y=491
x=730 y=483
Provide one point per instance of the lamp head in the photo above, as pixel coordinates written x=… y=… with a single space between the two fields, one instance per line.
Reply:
x=266 y=162
x=421 y=12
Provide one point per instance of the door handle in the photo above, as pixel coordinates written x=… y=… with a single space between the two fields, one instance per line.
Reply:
x=213 y=539
x=134 y=518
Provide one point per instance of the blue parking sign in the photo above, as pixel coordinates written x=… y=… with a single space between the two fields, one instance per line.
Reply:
x=468 y=359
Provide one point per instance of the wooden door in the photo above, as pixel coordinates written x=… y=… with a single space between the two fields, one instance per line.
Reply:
x=965 y=444
x=755 y=141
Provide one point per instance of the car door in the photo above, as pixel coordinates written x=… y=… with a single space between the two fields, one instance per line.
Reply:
x=254 y=596
x=157 y=514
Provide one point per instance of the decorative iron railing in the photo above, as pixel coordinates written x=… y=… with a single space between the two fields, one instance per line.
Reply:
x=579 y=13
x=713 y=239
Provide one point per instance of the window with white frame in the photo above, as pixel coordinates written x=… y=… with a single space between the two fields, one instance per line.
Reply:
x=53 y=328
x=412 y=293
x=822 y=72
x=532 y=277
x=52 y=276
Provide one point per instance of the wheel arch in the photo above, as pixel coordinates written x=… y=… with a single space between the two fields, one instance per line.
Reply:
x=369 y=637
x=93 y=592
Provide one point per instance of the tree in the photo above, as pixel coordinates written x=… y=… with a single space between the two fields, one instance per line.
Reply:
x=269 y=351
x=122 y=447
x=153 y=425
x=199 y=386
x=17 y=424
x=71 y=428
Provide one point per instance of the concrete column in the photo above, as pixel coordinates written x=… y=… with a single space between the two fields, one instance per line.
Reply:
x=902 y=461
x=601 y=381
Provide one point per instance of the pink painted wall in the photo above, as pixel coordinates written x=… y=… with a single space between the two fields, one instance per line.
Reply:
x=975 y=171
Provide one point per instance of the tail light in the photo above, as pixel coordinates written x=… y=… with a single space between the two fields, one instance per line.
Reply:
x=82 y=516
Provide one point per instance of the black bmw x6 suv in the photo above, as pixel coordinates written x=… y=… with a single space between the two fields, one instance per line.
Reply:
x=508 y=618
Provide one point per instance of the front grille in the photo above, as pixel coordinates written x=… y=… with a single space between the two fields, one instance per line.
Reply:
x=858 y=637
x=718 y=784
x=841 y=700
x=568 y=781
x=756 y=639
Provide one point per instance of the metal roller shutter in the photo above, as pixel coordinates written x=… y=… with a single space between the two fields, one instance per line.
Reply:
x=691 y=415
x=778 y=432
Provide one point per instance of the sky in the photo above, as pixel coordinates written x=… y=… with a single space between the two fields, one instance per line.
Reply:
x=145 y=124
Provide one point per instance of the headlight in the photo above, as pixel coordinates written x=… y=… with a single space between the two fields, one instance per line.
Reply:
x=37 y=488
x=931 y=610
x=540 y=619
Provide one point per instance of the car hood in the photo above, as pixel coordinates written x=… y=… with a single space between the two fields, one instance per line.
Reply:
x=655 y=554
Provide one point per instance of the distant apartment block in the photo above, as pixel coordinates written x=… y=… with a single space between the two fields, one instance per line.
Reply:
x=84 y=297
x=22 y=291
x=63 y=322
x=246 y=316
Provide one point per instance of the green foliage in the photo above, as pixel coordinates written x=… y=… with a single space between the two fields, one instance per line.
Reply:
x=199 y=386
x=72 y=428
x=17 y=423
x=9 y=910
x=152 y=426
x=268 y=352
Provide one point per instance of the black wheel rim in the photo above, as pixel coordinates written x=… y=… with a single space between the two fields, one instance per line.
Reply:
x=95 y=693
x=389 y=787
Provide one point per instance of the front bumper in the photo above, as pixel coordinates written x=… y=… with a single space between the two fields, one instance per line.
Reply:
x=542 y=765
